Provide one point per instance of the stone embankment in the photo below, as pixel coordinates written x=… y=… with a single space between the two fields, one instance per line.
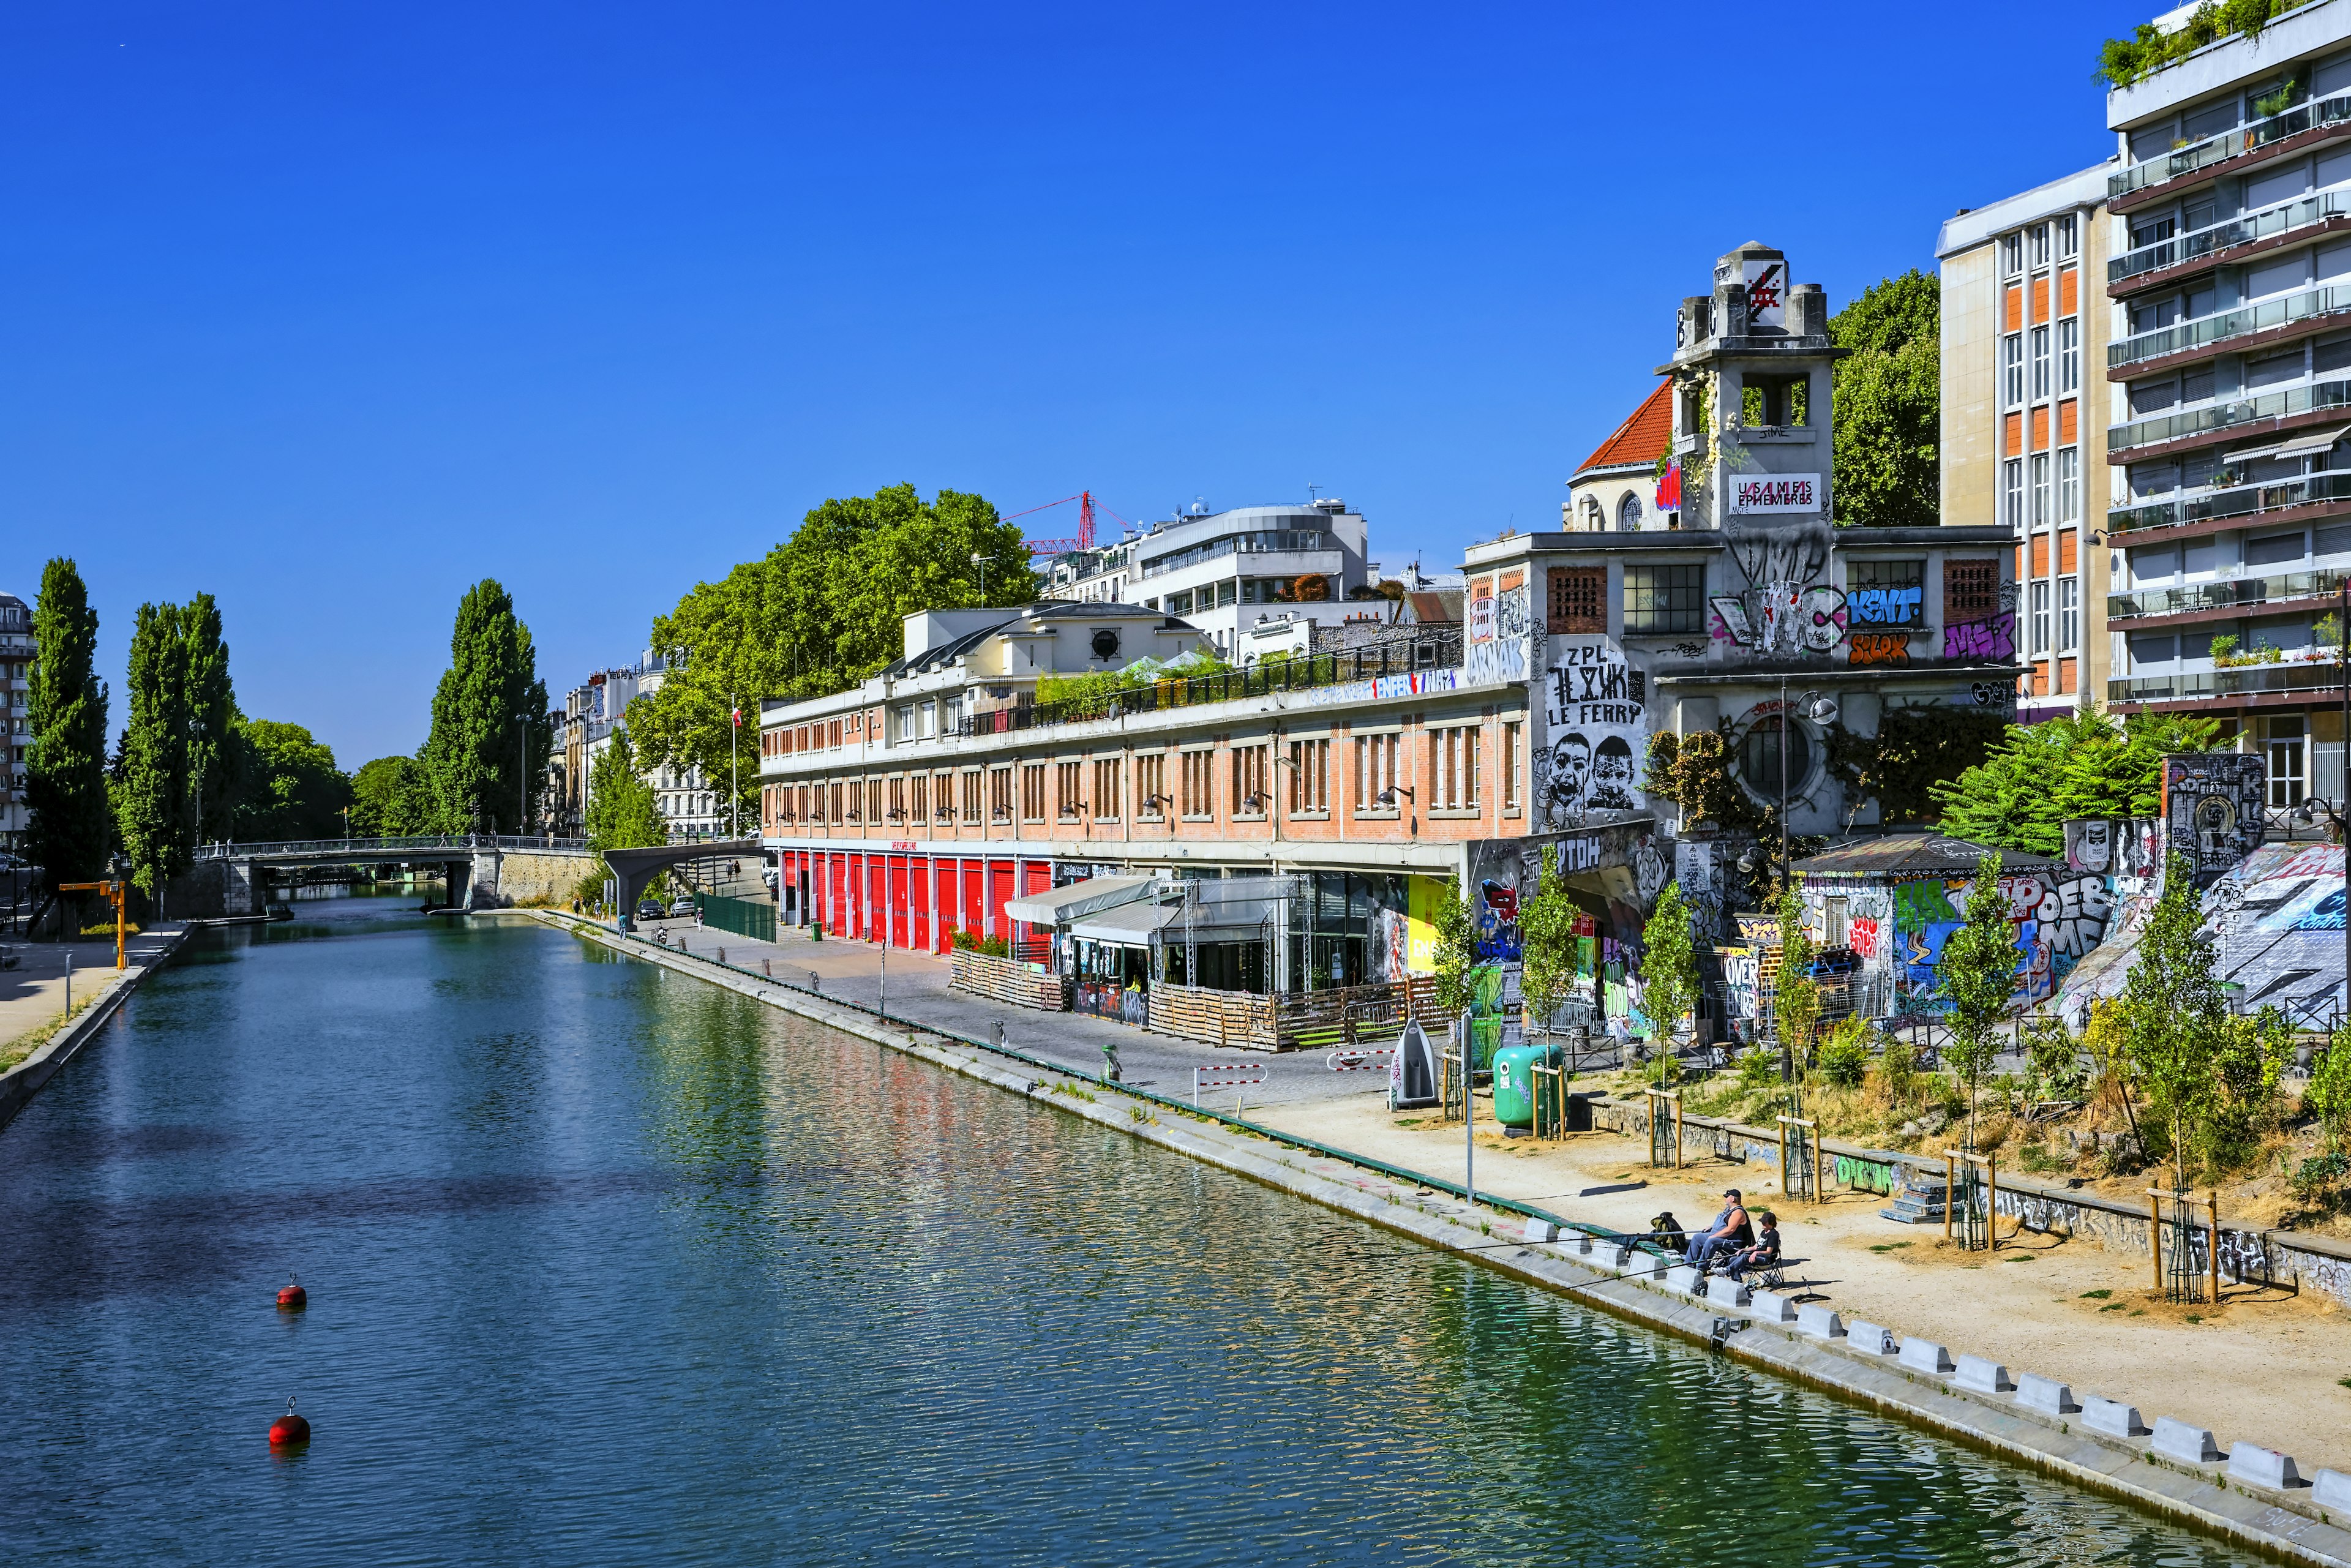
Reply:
x=148 y=951
x=2248 y=1494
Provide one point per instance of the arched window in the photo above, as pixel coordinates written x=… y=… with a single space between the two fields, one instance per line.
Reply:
x=1628 y=514
x=1595 y=519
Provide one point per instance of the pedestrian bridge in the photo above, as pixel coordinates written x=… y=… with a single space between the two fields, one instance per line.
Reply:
x=482 y=870
x=421 y=848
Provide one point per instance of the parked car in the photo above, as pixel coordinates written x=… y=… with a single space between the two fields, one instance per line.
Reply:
x=648 y=910
x=682 y=908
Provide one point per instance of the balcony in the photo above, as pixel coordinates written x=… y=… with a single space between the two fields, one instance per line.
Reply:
x=2241 y=593
x=2316 y=397
x=2227 y=326
x=2216 y=150
x=2249 y=501
x=2304 y=213
x=1267 y=541
x=2244 y=680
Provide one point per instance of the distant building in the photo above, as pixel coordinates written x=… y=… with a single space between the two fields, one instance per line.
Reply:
x=15 y=719
x=584 y=733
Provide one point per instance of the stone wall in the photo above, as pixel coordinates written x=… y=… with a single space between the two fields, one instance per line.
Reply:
x=215 y=890
x=505 y=878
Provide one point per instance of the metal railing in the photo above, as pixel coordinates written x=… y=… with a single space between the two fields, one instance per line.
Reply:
x=2228 y=144
x=2302 y=212
x=2223 y=326
x=2320 y=395
x=2231 y=501
x=2240 y=680
x=2251 y=591
x=1437 y=650
x=231 y=851
x=1264 y=541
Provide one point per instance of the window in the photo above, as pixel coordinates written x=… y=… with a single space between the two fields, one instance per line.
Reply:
x=2069 y=615
x=2285 y=757
x=1109 y=791
x=897 y=799
x=1249 y=796
x=943 y=799
x=2011 y=360
x=2011 y=256
x=2069 y=237
x=1510 y=733
x=2040 y=489
x=1375 y=773
x=921 y=793
x=1151 y=796
x=1664 y=599
x=1628 y=515
x=2069 y=485
x=1310 y=775
x=1970 y=588
x=873 y=799
x=2041 y=615
x=1032 y=792
x=1453 y=769
x=1885 y=593
x=2039 y=361
x=2012 y=480
x=1069 y=783
x=999 y=794
x=971 y=796
x=1199 y=784
x=2038 y=238
x=2069 y=355
x=1760 y=757
x=1579 y=598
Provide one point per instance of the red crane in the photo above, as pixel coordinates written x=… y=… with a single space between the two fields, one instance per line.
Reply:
x=1085 y=539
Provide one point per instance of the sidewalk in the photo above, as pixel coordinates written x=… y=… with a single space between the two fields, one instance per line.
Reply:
x=33 y=994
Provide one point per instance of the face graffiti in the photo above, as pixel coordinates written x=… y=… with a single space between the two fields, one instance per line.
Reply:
x=1597 y=729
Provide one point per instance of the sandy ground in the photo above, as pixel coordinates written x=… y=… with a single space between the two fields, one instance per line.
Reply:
x=2264 y=1367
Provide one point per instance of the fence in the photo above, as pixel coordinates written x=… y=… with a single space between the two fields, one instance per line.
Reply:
x=1004 y=980
x=1345 y=1017
x=752 y=917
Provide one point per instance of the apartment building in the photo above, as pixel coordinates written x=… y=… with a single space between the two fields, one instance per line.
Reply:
x=2022 y=329
x=2230 y=364
x=926 y=800
x=16 y=717
x=1225 y=573
x=584 y=726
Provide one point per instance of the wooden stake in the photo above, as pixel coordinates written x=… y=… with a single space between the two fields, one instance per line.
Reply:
x=1991 y=1205
x=2155 y=1233
x=1677 y=1132
x=1950 y=1185
x=2213 y=1242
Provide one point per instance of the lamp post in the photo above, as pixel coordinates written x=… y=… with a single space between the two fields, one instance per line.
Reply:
x=734 y=767
x=1820 y=710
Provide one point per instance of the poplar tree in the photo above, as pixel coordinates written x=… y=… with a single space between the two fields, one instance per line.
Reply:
x=1669 y=964
x=1978 y=977
x=215 y=759
x=478 y=762
x=2176 y=1022
x=151 y=798
x=65 y=764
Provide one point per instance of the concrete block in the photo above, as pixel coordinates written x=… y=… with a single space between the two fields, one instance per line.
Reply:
x=2263 y=1466
x=1983 y=1377
x=1541 y=1230
x=1819 y=1321
x=1646 y=1266
x=2331 y=1490
x=1586 y=1244
x=2112 y=1416
x=2044 y=1394
x=1683 y=1278
x=1926 y=1355
x=1724 y=1292
x=1770 y=1307
x=1875 y=1338
x=2189 y=1445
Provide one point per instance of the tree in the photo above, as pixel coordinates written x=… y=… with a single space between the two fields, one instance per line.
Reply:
x=1914 y=749
x=1693 y=772
x=1546 y=947
x=153 y=802
x=2175 y=1019
x=386 y=799
x=478 y=760
x=213 y=758
x=2075 y=765
x=1889 y=404
x=1978 y=977
x=1668 y=963
x=819 y=614
x=623 y=813
x=2327 y=1096
x=65 y=764
x=294 y=789
x=1796 y=996
x=1456 y=957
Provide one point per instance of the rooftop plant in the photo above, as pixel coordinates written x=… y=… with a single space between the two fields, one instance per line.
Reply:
x=2123 y=61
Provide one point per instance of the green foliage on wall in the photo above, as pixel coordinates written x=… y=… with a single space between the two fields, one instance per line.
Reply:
x=1914 y=749
x=2077 y=766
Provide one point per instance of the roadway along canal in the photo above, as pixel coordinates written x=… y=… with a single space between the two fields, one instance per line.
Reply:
x=607 y=1266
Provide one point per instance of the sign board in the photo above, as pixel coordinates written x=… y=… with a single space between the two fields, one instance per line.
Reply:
x=1753 y=493
x=1767 y=292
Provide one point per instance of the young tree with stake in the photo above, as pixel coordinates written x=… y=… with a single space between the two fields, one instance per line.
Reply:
x=1978 y=977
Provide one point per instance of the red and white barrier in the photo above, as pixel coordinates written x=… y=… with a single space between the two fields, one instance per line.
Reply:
x=1365 y=1060
x=1248 y=1077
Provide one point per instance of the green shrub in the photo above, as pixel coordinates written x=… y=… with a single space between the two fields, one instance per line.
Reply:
x=1758 y=1069
x=1845 y=1057
x=991 y=946
x=2054 y=1068
x=1898 y=1071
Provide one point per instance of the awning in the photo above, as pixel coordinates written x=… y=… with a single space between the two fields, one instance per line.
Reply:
x=1128 y=925
x=2301 y=446
x=1080 y=898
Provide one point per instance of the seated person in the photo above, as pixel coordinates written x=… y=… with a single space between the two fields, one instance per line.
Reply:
x=1729 y=1232
x=1764 y=1253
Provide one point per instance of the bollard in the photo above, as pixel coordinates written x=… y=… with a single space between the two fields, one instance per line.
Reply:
x=999 y=1034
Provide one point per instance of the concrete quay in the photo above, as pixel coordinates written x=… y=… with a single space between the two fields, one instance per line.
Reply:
x=33 y=995
x=2241 y=1490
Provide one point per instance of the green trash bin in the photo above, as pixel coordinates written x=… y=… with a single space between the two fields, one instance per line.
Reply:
x=1514 y=1082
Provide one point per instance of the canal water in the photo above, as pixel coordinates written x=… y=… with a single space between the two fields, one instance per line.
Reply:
x=609 y=1266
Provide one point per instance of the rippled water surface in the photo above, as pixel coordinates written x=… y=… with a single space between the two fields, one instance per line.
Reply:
x=608 y=1267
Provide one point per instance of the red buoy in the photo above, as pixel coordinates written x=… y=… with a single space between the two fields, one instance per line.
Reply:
x=289 y=1430
x=293 y=1298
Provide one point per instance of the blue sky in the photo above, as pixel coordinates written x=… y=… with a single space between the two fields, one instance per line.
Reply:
x=332 y=311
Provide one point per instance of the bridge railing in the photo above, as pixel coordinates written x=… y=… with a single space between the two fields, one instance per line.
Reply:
x=422 y=843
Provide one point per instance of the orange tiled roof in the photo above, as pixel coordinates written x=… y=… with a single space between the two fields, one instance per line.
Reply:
x=1643 y=437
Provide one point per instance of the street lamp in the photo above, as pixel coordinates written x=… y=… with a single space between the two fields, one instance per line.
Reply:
x=1820 y=710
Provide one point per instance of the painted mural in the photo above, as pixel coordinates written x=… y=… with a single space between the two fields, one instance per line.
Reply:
x=2059 y=915
x=1623 y=866
x=2212 y=804
x=1498 y=637
x=1595 y=735
x=1787 y=607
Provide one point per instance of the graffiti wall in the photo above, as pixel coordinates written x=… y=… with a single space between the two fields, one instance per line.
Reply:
x=1620 y=868
x=2212 y=804
x=1595 y=733
x=1497 y=635
x=2058 y=916
x=1783 y=605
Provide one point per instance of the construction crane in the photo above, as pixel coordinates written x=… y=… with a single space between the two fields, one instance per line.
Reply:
x=1085 y=539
